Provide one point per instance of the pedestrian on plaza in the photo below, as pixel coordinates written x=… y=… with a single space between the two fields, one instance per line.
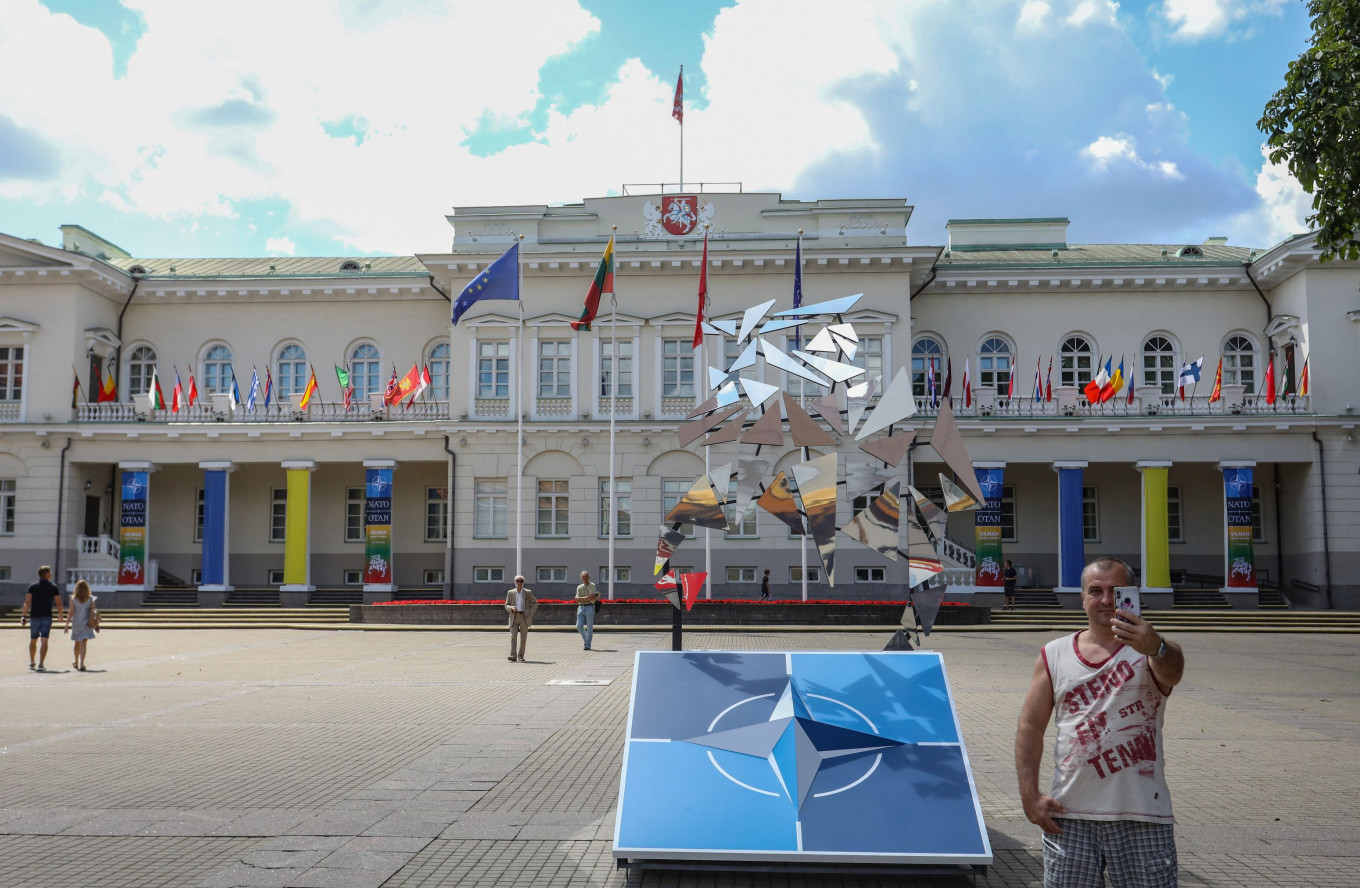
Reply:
x=37 y=613
x=1108 y=813
x=520 y=603
x=586 y=598
x=1008 y=578
x=81 y=622
x=765 y=587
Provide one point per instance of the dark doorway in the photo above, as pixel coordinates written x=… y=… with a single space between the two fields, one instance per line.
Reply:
x=91 y=516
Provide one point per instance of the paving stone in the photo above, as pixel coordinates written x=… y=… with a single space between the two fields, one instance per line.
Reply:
x=239 y=875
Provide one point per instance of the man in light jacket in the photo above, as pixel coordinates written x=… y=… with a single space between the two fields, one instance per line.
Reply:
x=520 y=604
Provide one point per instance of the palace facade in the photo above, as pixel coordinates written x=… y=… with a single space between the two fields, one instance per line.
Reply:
x=274 y=499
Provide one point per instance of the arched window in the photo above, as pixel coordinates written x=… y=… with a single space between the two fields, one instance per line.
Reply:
x=292 y=371
x=994 y=364
x=140 y=364
x=439 y=373
x=1077 y=359
x=365 y=370
x=924 y=351
x=1239 y=362
x=1159 y=364
x=217 y=370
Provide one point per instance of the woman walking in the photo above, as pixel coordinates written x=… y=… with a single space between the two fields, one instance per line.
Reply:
x=79 y=622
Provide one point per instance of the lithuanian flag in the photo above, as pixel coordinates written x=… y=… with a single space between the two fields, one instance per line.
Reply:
x=603 y=283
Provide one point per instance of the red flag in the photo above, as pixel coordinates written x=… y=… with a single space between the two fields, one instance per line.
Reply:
x=1010 y=383
x=422 y=383
x=678 y=111
x=1217 y=393
x=193 y=390
x=108 y=391
x=391 y=387
x=967 y=386
x=177 y=398
x=405 y=386
x=1303 y=379
x=1270 y=381
x=1048 y=382
x=703 y=297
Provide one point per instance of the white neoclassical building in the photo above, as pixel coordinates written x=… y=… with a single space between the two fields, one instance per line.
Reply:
x=218 y=501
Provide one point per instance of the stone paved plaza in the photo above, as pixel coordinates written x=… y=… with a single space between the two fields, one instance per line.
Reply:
x=424 y=758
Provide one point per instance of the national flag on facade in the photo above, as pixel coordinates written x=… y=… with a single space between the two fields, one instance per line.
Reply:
x=1303 y=379
x=1217 y=393
x=309 y=390
x=798 y=289
x=108 y=389
x=948 y=380
x=1038 y=381
x=404 y=386
x=499 y=280
x=1115 y=385
x=1048 y=382
x=346 y=384
x=967 y=386
x=234 y=391
x=193 y=390
x=703 y=296
x=254 y=389
x=1097 y=384
x=603 y=283
x=391 y=386
x=177 y=396
x=930 y=382
x=1189 y=375
x=78 y=391
x=154 y=390
x=268 y=387
x=1129 y=399
x=1010 y=381
x=678 y=109
x=1270 y=380
x=422 y=383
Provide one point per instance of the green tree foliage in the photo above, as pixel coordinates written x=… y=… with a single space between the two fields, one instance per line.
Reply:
x=1314 y=124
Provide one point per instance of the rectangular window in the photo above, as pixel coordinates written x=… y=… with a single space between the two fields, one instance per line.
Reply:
x=488 y=575
x=6 y=572
x=11 y=373
x=814 y=574
x=741 y=575
x=552 y=575
x=493 y=370
x=200 y=510
x=1090 y=516
x=677 y=368
x=1258 y=527
x=7 y=505
x=354 y=514
x=739 y=526
x=621 y=574
x=195 y=577
x=275 y=578
x=436 y=515
x=869 y=574
x=623 y=503
x=625 y=369
x=869 y=356
x=554 y=369
x=433 y=577
x=354 y=578
x=552 y=509
x=672 y=491
x=1173 y=514
x=797 y=386
x=1007 y=514
x=278 y=516
x=488 y=507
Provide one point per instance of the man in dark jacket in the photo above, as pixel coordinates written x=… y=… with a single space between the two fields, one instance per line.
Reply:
x=37 y=612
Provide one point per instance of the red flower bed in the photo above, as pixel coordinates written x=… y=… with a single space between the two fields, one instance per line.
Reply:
x=750 y=601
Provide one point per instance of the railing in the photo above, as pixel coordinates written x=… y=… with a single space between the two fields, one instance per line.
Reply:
x=10 y=411
x=554 y=407
x=623 y=408
x=98 y=547
x=491 y=408
x=956 y=553
x=275 y=413
x=1160 y=405
x=104 y=579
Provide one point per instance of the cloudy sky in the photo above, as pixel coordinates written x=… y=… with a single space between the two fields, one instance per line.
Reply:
x=329 y=127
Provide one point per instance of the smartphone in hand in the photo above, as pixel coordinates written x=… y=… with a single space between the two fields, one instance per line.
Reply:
x=1126 y=598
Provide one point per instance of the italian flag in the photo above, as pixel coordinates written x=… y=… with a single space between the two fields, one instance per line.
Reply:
x=603 y=283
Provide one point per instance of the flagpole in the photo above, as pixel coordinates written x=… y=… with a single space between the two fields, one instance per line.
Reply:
x=613 y=411
x=797 y=339
x=519 y=416
x=682 y=148
x=703 y=375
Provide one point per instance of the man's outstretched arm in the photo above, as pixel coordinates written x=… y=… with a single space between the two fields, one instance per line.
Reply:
x=1029 y=750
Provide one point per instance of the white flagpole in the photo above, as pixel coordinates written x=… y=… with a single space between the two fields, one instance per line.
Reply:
x=519 y=416
x=802 y=540
x=682 y=136
x=703 y=375
x=613 y=410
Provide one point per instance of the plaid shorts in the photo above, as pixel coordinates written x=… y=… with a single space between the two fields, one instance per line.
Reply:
x=1133 y=853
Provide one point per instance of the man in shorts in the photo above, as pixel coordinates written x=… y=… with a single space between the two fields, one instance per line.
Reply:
x=37 y=612
x=1108 y=813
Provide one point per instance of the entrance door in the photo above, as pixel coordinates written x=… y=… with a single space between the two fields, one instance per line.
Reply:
x=92 y=516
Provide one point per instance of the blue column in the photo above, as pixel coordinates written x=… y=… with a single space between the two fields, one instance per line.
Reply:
x=1071 y=539
x=216 y=513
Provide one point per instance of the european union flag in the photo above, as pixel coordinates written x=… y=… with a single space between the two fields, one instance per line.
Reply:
x=500 y=280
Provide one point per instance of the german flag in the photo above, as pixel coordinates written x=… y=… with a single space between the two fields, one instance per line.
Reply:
x=603 y=283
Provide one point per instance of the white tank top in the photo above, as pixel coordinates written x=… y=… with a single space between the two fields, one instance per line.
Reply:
x=1108 y=762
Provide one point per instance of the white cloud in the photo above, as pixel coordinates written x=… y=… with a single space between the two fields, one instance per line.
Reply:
x=280 y=246
x=1109 y=152
x=1198 y=19
x=1032 y=15
x=1284 y=203
x=1093 y=12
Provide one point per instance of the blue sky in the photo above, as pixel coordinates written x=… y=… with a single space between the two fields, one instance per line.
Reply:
x=329 y=127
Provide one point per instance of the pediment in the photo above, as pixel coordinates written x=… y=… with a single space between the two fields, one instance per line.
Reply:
x=673 y=318
x=491 y=319
x=870 y=316
x=11 y=257
x=14 y=325
x=551 y=319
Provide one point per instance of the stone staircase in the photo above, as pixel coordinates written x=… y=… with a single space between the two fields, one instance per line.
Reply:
x=1199 y=599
